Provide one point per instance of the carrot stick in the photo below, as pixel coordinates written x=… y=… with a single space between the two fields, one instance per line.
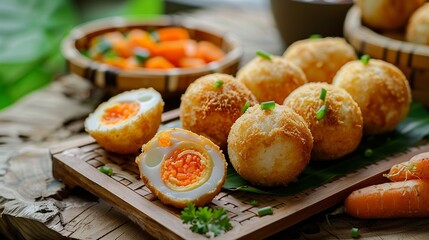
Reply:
x=122 y=48
x=416 y=168
x=390 y=200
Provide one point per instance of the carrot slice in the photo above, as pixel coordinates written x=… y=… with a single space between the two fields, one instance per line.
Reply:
x=172 y=34
x=158 y=62
x=123 y=63
x=122 y=48
x=415 y=168
x=119 y=43
x=209 y=51
x=390 y=200
x=173 y=51
x=190 y=62
x=131 y=63
x=141 y=38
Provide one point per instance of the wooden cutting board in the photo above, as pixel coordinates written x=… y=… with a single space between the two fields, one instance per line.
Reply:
x=75 y=163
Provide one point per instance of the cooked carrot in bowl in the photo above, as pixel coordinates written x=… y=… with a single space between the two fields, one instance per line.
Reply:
x=163 y=48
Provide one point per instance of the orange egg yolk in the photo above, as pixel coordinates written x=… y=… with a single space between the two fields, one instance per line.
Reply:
x=119 y=112
x=165 y=139
x=185 y=169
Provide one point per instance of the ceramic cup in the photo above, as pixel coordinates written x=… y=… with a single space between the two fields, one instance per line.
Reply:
x=299 y=19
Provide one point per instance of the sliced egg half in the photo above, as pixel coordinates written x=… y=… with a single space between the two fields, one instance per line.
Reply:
x=126 y=121
x=180 y=167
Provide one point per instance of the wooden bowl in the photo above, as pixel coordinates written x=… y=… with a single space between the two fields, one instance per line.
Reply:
x=411 y=58
x=171 y=82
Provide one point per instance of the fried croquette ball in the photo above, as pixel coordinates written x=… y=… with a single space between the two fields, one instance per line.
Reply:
x=320 y=58
x=380 y=89
x=211 y=104
x=418 y=27
x=271 y=79
x=337 y=130
x=181 y=167
x=269 y=147
x=387 y=14
x=126 y=121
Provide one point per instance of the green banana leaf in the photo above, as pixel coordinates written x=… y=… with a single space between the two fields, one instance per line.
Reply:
x=408 y=133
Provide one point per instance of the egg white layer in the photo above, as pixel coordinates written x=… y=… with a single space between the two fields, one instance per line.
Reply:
x=151 y=163
x=147 y=98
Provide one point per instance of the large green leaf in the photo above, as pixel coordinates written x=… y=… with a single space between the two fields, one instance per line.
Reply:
x=31 y=32
x=30 y=36
x=409 y=132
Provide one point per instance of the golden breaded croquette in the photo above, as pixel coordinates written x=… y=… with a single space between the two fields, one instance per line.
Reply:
x=271 y=79
x=418 y=27
x=339 y=131
x=320 y=58
x=380 y=89
x=269 y=147
x=211 y=104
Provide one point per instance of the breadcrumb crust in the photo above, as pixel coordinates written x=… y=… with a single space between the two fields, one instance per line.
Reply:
x=211 y=111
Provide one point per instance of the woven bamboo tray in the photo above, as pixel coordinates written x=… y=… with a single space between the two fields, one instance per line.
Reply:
x=76 y=162
x=412 y=59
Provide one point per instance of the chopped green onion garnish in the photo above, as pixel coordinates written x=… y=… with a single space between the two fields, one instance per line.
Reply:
x=141 y=54
x=315 y=36
x=110 y=54
x=320 y=114
x=355 y=232
x=270 y=105
x=323 y=94
x=265 y=211
x=154 y=35
x=218 y=84
x=254 y=203
x=264 y=55
x=368 y=152
x=103 y=45
x=245 y=107
x=85 y=53
x=106 y=170
x=365 y=59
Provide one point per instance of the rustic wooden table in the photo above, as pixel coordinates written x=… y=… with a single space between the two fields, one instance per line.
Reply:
x=34 y=205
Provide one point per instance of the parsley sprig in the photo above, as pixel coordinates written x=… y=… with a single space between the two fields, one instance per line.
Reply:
x=205 y=220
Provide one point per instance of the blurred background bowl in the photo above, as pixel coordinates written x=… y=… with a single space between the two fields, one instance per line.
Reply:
x=171 y=82
x=411 y=58
x=298 y=19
